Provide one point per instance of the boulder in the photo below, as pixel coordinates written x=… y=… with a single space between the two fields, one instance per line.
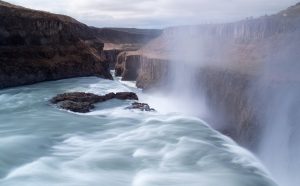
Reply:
x=126 y=95
x=81 y=107
x=141 y=106
x=76 y=97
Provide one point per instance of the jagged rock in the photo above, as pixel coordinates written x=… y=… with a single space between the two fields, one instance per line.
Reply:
x=141 y=106
x=77 y=97
x=126 y=95
x=83 y=102
x=81 y=107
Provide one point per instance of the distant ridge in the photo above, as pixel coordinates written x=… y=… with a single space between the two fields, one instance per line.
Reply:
x=126 y=35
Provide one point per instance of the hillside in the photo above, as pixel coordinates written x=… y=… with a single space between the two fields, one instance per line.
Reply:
x=39 y=46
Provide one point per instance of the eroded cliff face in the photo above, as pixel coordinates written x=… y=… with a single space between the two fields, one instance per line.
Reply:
x=118 y=40
x=152 y=73
x=38 y=46
x=235 y=61
x=128 y=66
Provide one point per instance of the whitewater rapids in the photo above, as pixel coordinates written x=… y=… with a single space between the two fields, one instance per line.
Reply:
x=41 y=145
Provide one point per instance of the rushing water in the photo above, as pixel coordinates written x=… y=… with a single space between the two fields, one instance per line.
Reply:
x=42 y=145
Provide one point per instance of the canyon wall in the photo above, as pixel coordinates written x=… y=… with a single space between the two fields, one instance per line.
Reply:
x=38 y=46
x=118 y=40
x=236 y=62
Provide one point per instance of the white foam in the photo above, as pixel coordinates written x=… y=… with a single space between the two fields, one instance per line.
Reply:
x=112 y=146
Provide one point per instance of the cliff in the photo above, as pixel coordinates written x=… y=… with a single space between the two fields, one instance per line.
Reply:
x=39 y=46
x=234 y=62
x=118 y=40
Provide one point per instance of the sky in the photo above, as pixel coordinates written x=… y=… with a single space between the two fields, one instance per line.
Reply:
x=157 y=13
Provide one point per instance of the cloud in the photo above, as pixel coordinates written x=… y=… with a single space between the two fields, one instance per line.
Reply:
x=157 y=13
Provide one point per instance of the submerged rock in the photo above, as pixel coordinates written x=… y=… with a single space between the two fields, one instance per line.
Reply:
x=141 y=106
x=84 y=102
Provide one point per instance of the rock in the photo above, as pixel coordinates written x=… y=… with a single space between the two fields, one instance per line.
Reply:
x=119 y=66
x=128 y=66
x=141 y=106
x=83 y=102
x=76 y=97
x=81 y=107
x=111 y=57
x=126 y=95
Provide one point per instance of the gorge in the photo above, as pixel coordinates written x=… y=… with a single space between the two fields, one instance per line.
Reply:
x=217 y=90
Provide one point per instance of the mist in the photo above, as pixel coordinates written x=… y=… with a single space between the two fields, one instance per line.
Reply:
x=279 y=146
x=267 y=101
x=213 y=103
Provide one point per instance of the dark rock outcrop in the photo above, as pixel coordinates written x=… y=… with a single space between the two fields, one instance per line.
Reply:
x=141 y=107
x=83 y=102
x=119 y=66
x=38 y=46
x=111 y=57
x=76 y=97
x=80 y=107
x=127 y=66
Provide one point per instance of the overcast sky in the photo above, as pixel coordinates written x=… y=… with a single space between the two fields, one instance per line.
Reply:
x=157 y=13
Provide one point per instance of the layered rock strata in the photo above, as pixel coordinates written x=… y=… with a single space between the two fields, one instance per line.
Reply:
x=39 y=46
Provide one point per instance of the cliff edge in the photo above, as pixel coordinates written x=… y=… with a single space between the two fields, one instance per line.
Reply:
x=237 y=64
x=39 y=46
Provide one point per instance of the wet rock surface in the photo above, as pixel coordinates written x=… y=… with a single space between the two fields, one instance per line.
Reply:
x=141 y=106
x=81 y=107
x=84 y=102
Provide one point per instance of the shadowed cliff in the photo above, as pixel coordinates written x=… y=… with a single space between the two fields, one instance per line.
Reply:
x=118 y=41
x=39 y=46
